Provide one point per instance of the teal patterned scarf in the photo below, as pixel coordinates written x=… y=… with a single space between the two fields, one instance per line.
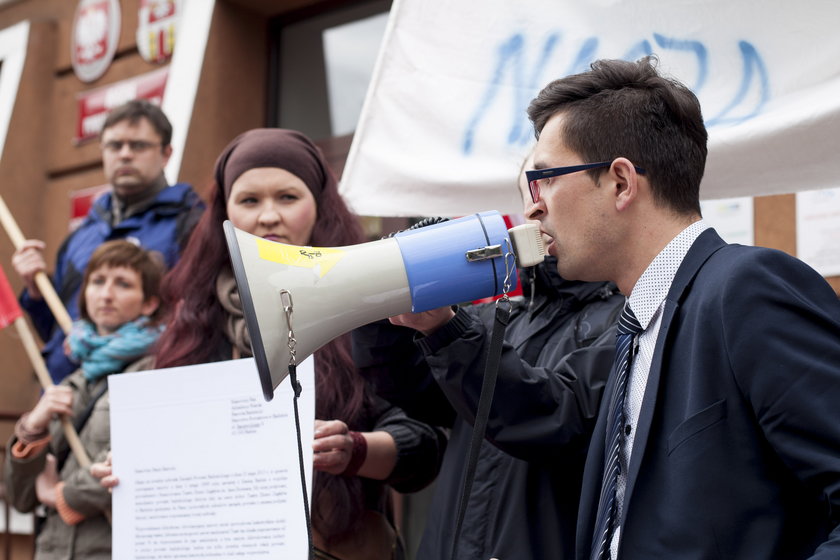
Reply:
x=105 y=354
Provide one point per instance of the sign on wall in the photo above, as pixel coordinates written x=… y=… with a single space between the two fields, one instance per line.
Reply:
x=818 y=230
x=94 y=105
x=444 y=128
x=94 y=38
x=732 y=218
x=157 y=21
x=81 y=201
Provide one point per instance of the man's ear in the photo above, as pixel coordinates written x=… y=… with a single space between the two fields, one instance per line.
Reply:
x=626 y=178
x=167 y=153
x=150 y=306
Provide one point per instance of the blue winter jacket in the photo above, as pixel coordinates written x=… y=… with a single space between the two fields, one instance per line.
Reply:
x=164 y=227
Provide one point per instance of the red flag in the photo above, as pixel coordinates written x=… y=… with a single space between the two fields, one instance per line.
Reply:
x=9 y=308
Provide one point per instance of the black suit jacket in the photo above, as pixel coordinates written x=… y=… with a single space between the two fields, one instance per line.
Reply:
x=737 y=450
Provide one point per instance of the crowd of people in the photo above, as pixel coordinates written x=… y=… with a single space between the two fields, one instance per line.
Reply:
x=663 y=394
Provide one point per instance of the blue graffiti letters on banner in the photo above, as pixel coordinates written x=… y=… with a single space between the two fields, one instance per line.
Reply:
x=512 y=61
x=754 y=71
x=511 y=58
x=695 y=47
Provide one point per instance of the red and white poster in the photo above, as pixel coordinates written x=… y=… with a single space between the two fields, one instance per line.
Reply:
x=95 y=34
x=94 y=105
x=81 y=201
x=157 y=21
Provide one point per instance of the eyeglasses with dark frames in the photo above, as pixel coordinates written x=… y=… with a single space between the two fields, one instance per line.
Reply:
x=540 y=178
x=136 y=146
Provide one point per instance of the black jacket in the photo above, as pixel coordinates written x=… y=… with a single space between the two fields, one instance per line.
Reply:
x=517 y=509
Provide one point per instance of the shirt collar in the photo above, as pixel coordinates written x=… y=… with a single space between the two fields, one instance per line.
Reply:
x=123 y=209
x=653 y=285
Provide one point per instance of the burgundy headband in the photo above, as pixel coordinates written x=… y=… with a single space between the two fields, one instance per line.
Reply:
x=274 y=147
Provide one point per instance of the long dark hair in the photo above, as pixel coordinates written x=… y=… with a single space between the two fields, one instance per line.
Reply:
x=194 y=332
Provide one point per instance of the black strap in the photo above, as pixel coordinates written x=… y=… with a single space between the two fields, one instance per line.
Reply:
x=297 y=388
x=324 y=555
x=488 y=386
x=79 y=423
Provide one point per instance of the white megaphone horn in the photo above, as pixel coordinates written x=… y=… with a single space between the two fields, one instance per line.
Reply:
x=325 y=292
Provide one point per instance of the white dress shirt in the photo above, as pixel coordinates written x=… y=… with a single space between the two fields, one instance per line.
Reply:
x=647 y=300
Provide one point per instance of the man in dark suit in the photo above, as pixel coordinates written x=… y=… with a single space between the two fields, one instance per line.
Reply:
x=722 y=438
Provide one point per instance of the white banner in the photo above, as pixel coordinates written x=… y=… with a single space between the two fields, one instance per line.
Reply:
x=444 y=128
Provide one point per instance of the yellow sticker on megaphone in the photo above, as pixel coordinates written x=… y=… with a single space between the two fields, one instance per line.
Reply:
x=320 y=258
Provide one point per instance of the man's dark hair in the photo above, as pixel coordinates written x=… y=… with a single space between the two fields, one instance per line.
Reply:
x=138 y=109
x=627 y=109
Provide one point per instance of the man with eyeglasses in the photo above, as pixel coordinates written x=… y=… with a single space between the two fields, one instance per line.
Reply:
x=718 y=435
x=141 y=206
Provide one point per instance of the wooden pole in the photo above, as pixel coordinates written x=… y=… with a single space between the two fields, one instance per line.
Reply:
x=31 y=347
x=41 y=279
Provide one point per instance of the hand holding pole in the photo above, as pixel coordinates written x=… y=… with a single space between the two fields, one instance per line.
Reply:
x=31 y=347
x=41 y=279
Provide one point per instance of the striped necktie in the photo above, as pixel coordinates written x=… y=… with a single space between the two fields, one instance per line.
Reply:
x=628 y=328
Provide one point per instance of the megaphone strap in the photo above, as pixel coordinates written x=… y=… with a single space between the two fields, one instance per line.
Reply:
x=297 y=388
x=288 y=308
x=488 y=387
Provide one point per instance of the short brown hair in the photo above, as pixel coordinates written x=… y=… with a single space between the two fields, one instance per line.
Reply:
x=627 y=109
x=120 y=252
x=137 y=109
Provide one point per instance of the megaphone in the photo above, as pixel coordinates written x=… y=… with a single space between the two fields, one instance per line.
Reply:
x=296 y=299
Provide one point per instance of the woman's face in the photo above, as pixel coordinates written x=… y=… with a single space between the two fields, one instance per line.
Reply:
x=274 y=204
x=114 y=297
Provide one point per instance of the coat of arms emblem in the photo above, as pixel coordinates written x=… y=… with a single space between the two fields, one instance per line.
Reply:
x=157 y=21
x=96 y=32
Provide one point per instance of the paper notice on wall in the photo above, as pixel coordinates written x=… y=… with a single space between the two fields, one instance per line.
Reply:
x=207 y=468
x=732 y=218
x=818 y=230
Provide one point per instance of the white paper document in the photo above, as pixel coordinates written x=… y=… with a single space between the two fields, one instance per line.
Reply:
x=732 y=218
x=207 y=468
x=818 y=229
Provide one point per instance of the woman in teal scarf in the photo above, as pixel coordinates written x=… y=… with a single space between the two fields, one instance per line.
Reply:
x=119 y=305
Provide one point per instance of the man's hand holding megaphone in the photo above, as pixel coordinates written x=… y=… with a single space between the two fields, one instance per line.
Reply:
x=425 y=322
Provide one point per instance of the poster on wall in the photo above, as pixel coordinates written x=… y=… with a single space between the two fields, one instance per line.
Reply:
x=81 y=201
x=818 y=230
x=94 y=37
x=157 y=22
x=733 y=218
x=93 y=106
